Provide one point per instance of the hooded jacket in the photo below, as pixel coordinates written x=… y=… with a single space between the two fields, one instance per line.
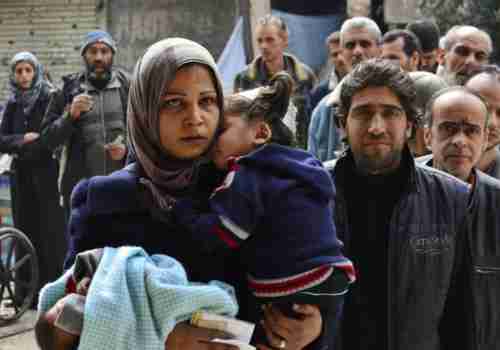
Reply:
x=428 y=292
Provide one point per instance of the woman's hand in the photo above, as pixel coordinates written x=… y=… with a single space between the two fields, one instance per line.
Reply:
x=116 y=151
x=290 y=333
x=186 y=337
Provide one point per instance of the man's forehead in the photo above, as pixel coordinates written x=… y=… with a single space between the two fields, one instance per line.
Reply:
x=374 y=96
x=356 y=34
x=486 y=86
x=396 y=45
x=475 y=41
x=99 y=45
x=457 y=106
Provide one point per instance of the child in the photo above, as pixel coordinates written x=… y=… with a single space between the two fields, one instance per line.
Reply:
x=274 y=207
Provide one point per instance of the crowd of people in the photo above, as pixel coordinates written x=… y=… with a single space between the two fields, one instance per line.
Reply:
x=351 y=213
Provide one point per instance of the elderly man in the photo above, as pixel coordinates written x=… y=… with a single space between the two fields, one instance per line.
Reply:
x=88 y=117
x=272 y=40
x=402 y=47
x=428 y=34
x=458 y=120
x=360 y=39
x=487 y=84
x=466 y=48
x=404 y=226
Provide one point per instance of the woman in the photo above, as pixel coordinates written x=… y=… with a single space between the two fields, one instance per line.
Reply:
x=34 y=195
x=174 y=115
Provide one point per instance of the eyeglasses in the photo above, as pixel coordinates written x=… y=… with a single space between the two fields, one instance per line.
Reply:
x=365 y=114
x=448 y=129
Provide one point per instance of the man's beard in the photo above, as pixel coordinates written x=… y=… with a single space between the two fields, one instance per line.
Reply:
x=99 y=79
x=456 y=78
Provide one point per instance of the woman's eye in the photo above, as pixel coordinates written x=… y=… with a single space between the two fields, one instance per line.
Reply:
x=171 y=103
x=208 y=101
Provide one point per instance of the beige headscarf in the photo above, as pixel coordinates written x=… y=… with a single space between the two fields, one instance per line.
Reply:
x=154 y=72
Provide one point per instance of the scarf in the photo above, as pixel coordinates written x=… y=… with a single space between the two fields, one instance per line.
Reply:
x=27 y=98
x=165 y=175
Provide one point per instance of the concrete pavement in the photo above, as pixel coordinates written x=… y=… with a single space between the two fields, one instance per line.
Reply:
x=19 y=335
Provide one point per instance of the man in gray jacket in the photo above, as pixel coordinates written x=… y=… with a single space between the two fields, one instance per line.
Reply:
x=87 y=118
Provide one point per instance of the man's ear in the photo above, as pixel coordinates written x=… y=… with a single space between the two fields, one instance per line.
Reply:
x=263 y=133
x=409 y=128
x=428 y=138
x=485 y=142
x=415 y=60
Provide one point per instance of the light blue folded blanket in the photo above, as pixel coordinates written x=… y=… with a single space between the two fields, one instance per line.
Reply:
x=135 y=300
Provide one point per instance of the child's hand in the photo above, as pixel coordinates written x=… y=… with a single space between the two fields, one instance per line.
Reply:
x=291 y=333
x=187 y=337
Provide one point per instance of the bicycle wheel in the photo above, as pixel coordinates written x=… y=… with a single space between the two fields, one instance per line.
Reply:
x=18 y=274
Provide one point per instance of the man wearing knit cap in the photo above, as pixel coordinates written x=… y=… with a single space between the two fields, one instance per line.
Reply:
x=87 y=118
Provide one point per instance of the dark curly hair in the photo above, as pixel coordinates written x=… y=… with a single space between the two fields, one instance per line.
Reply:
x=378 y=73
x=271 y=105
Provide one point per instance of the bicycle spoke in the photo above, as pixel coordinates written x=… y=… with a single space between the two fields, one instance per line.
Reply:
x=20 y=263
x=13 y=298
x=11 y=252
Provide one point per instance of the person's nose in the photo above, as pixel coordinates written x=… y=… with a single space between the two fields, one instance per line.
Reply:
x=459 y=140
x=358 y=50
x=377 y=125
x=194 y=116
x=494 y=120
x=471 y=60
x=99 y=56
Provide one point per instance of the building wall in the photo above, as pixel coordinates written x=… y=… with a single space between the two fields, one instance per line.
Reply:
x=136 y=24
x=51 y=29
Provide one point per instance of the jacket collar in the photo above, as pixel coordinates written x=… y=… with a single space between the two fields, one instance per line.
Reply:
x=114 y=83
x=258 y=69
x=341 y=168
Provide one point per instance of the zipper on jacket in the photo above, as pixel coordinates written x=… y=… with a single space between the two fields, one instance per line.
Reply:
x=101 y=105
x=487 y=270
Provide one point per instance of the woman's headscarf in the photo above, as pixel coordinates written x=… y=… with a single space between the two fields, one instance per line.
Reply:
x=153 y=73
x=28 y=97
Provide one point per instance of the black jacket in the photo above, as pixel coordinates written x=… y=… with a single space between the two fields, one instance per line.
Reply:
x=485 y=243
x=15 y=124
x=428 y=294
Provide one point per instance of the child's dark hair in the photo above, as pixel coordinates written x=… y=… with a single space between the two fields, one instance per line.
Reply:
x=271 y=104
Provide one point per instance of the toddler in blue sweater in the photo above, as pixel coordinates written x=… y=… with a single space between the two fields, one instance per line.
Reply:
x=275 y=206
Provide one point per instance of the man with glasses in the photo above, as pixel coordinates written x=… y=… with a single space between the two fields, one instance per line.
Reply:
x=404 y=226
x=458 y=120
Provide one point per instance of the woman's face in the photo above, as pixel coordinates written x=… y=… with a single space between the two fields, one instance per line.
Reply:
x=24 y=73
x=189 y=113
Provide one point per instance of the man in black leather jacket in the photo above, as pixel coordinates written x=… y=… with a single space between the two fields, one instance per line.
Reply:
x=403 y=225
x=487 y=84
x=458 y=120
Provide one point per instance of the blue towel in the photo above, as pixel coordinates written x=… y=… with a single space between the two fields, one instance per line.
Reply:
x=135 y=300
